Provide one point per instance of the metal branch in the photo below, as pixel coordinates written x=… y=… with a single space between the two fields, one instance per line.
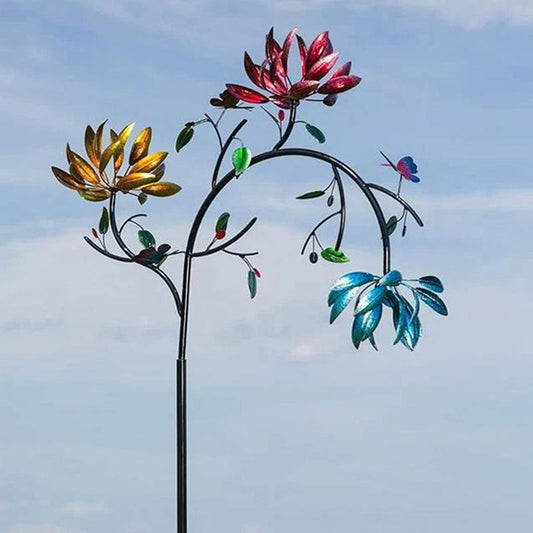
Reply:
x=129 y=220
x=215 y=126
x=223 y=151
x=106 y=253
x=323 y=221
x=342 y=201
x=229 y=242
x=123 y=246
x=399 y=199
x=288 y=129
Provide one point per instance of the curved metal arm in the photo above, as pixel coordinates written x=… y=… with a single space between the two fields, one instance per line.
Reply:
x=339 y=165
x=123 y=246
x=229 y=242
x=106 y=253
x=399 y=199
x=313 y=231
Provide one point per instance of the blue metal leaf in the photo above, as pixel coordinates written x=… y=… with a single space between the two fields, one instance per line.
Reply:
x=371 y=299
x=347 y=282
x=432 y=283
x=412 y=334
x=372 y=341
x=433 y=301
x=390 y=279
x=364 y=324
x=340 y=303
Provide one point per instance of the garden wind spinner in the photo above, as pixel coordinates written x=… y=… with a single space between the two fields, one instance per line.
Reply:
x=111 y=171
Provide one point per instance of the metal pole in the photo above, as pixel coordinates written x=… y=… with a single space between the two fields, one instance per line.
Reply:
x=181 y=404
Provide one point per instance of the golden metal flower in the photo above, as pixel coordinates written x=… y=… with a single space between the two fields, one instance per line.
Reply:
x=94 y=183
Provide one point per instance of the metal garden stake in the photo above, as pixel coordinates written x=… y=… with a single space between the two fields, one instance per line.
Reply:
x=109 y=172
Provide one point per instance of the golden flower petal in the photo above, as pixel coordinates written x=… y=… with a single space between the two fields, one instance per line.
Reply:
x=98 y=140
x=140 y=145
x=159 y=171
x=135 y=180
x=89 y=145
x=149 y=162
x=124 y=135
x=67 y=180
x=162 y=188
x=83 y=169
x=109 y=152
x=95 y=195
x=118 y=159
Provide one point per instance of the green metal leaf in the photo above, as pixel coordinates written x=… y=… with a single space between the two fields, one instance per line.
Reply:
x=432 y=283
x=103 y=225
x=146 y=238
x=241 y=159
x=309 y=195
x=252 y=283
x=391 y=225
x=316 y=133
x=222 y=222
x=334 y=256
x=184 y=137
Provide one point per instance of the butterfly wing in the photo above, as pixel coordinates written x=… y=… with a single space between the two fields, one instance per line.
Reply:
x=407 y=168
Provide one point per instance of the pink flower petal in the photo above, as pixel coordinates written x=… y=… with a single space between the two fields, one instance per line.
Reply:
x=339 y=84
x=322 y=67
x=246 y=95
x=303 y=53
x=253 y=71
x=320 y=47
x=302 y=89
x=342 y=71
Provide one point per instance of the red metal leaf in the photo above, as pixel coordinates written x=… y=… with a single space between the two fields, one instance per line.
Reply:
x=282 y=102
x=302 y=89
x=339 y=85
x=342 y=71
x=272 y=47
x=320 y=47
x=253 y=71
x=287 y=46
x=322 y=67
x=246 y=95
x=303 y=54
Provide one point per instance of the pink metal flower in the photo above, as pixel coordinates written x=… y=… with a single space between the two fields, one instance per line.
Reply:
x=271 y=76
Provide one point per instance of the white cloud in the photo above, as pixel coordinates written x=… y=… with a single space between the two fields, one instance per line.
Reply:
x=504 y=200
x=474 y=13
x=82 y=510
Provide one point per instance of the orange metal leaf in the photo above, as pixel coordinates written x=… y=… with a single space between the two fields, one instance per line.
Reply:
x=135 y=180
x=89 y=145
x=95 y=195
x=67 y=180
x=83 y=169
x=149 y=162
x=162 y=188
x=140 y=145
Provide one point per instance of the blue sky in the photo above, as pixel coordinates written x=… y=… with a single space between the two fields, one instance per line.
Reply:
x=291 y=429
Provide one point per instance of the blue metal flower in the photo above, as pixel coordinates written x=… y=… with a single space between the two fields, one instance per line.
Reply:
x=372 y=292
